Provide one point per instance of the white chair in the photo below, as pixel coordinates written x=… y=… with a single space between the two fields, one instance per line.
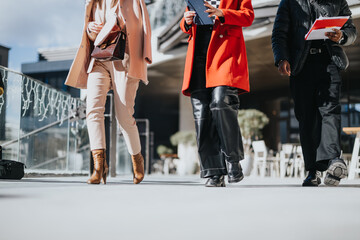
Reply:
x=262 y=162
x=299 y=165
x=354 y=168
x=286 y=165
x=291 y=161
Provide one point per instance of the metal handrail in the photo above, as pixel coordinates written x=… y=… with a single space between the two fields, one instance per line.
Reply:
x=78 y=115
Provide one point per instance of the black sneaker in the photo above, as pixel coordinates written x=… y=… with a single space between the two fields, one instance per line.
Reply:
x=215 y=181
x=337 y=170
x=312 y=180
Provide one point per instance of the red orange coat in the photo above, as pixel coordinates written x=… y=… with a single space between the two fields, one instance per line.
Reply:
x=226 y=59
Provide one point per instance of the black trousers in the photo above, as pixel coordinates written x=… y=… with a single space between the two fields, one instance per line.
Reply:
x=217 y=129
x=215 y=114
x=316 y=93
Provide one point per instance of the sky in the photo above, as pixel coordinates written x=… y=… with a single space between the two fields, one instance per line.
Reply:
x=27 y=25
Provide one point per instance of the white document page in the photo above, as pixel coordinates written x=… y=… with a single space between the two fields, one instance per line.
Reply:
x=319 y=33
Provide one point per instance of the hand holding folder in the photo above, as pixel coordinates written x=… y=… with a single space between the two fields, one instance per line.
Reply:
x=201 y=18
x=323 y=25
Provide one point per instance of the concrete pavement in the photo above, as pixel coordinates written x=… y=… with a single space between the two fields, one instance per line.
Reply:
x=172 y=207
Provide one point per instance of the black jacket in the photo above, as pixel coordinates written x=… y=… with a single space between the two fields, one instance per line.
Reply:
x=293 y=21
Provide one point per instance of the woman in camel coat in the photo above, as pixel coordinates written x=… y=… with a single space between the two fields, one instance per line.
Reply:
x=216 y=71
x=123 y=76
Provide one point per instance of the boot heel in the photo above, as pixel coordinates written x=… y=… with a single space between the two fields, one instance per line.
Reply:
x=106 y=171
x=104 y=178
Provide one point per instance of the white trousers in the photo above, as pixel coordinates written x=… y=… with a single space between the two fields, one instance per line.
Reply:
x=102 y=78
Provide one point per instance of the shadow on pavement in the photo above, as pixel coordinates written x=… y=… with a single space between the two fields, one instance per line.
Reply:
x=11 y=196
x=174 y=183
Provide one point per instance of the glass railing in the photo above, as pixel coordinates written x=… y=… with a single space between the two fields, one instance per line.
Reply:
x=39 y=126
x=45 y=129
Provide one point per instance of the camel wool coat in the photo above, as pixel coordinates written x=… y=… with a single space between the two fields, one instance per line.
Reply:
x=134 y=15
x=226 y=63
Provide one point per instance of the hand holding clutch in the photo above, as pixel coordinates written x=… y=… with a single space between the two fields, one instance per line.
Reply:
x=95 y=27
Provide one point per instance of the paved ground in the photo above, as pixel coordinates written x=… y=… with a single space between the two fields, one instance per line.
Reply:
x=170 y=207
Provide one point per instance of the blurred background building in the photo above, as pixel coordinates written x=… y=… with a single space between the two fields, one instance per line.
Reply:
x=269 y=91
x=52 y=68
x=4 y=56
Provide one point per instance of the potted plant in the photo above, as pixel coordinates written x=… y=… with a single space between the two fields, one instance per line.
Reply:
x=187 y=152
x=251 y=123
x=163 y=150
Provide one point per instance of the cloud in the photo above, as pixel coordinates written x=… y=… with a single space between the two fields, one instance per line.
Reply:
x=41 y=23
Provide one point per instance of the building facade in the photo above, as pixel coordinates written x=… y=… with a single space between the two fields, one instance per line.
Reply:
x=52 y=68
x=4 y=56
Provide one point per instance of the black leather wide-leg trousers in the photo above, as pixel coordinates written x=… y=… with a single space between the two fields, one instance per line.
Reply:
x=217 y=129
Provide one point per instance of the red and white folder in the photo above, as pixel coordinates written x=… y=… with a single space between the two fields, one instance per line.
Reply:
x=323 y=25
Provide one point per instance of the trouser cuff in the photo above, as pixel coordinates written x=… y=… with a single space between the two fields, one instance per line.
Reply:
x=213 y=172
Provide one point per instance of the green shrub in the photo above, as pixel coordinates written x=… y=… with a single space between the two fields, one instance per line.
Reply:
x=162 y=149
x=251 y=123
x=185 y=137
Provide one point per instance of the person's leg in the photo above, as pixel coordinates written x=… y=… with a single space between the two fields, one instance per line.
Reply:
x=303 y=91
x=330 y=110
x=211 y=160
x=304 y=96
x=98 y=85
x=224 y=109
x=212 y=165
x=125 y=89
x=328 y=151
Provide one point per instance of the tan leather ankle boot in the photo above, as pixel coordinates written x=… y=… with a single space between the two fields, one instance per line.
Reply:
x=138 y=166
x=100 y=167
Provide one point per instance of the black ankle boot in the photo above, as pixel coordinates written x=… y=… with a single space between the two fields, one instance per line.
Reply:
x=312 y=180
x=215 y=181
x=235 y=173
